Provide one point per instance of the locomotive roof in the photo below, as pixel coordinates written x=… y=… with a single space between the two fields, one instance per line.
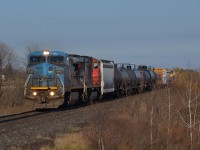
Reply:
x=75 y=55
x=107 y=61
x=39 y=53
x=82 y=56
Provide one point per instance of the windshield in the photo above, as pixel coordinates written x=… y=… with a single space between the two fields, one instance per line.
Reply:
x=36 y=59
x=56 y=59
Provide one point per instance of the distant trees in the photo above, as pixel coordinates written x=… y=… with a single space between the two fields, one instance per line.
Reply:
x=11 y=77
x=7 y=60
x=7 y=56
x=32 y=48
x=29 y=49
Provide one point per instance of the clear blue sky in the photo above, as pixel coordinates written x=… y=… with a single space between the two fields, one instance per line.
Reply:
x=154 y=32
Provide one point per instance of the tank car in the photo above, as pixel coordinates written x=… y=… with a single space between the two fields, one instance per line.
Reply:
x=45 y=75
x=149 y=77
x=124 y=79
x=138 y=79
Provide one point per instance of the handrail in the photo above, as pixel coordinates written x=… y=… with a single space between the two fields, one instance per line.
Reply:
x=25 y=85
x=61 y=83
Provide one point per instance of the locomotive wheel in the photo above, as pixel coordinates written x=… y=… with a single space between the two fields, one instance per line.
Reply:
x=67 y=99
x=81 y=97
x=88 y=98
x=99 y=96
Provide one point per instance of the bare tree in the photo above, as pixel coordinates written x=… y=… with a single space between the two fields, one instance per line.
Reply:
x=29 y=49
x=7 y=56
x=32 y=48
x=7 y=59
x=191 y=103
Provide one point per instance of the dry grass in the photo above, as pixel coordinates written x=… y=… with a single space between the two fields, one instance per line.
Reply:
x=12 y=93
x=73 y=141
x=6 y=110
x=151 y=121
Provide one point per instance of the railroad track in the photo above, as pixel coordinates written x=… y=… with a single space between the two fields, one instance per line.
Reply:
x=37 y=112
x=23 y=115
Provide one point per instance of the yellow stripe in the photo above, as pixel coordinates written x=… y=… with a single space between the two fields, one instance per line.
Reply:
x=39 y=88
x=44 y=88
x=53 y=88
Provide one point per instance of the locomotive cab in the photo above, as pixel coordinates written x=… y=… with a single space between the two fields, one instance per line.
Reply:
x=45 y=76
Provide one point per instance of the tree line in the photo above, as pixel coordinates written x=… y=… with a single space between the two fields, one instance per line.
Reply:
x=12 y=73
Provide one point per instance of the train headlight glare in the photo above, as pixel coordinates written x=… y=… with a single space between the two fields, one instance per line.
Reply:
x=34 y=93
x=46 y=53
x=52 y=93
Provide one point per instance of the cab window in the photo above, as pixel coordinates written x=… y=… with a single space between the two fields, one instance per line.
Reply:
x=36 y=59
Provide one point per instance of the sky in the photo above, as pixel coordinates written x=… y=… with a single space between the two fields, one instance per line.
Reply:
x=158 y=33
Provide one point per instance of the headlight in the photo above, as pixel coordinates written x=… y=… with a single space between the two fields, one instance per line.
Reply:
x=46 y=53
x=34 y=93
x=52 y=93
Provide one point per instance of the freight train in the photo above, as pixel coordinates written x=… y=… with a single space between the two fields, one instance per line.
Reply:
x=54 y=74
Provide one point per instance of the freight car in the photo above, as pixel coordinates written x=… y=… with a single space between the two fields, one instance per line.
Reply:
x=164 y=76
x=54 y=74
x=149 y=77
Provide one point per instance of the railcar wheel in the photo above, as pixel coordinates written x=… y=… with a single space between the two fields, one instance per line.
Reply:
x=117 y=94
